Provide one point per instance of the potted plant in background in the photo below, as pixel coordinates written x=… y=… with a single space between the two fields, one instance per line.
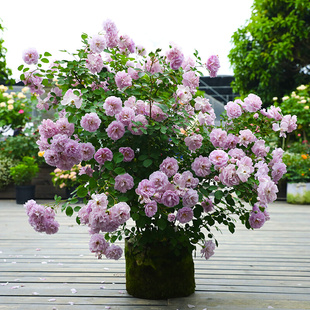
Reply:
x=298 y=177
x=150 y=151
x=296 y=146
x=22 y=174
x=67 y=179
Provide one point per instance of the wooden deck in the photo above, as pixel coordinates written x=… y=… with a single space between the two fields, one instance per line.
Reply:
x=262 y=269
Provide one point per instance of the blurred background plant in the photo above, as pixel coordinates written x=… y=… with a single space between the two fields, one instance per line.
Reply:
x=24 y=171
x=5 y=164
x=297 y=166
x=66 y=178
x=15 y=109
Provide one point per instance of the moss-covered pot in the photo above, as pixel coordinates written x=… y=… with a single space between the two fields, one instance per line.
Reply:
x=298 y=193
x=156 y=272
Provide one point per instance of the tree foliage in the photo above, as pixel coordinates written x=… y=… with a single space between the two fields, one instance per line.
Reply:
x=5 y=72
x=271 y=52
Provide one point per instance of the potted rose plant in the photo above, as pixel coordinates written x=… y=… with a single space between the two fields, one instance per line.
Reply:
x=22 y=174
x=150 y=151
x=296 y=146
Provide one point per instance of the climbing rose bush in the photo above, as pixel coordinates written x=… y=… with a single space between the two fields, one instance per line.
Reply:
x=148 y=147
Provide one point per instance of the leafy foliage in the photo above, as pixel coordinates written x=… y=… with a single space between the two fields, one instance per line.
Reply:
x=270 y=54
x=24 y=171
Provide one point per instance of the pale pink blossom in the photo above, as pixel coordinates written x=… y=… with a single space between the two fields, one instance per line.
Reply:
x=208 y=249
x=97 y=43
x=213 y=65
x=31 y=56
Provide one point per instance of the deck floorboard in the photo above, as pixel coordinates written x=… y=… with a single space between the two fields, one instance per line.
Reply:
x=262 y=269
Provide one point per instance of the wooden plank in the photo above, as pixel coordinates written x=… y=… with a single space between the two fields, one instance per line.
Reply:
x=250 y=270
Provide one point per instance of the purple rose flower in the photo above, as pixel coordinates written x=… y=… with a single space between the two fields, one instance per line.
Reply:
x=218 y=158
x=169 y=166
x=30 y=56
x=208 y=249
x=103 y=155
x=87 y=150
x=150 y=208
x=128 y=153
x=98 y=245
x=115 y=130
x=90 y=122
x=114 y=252
x=201 y=166
x=112 y=105
x=257 y=219
x=193 y=142
x=170 y=198
x=185 y=215
x=123 y=79
x=123 y=182
x=190 y=198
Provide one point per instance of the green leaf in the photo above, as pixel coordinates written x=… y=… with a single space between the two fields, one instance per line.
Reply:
x=69 y=211
x=20 y=68
x=118 y=157
x=161 y=223
x=47 y=54
x=147 y=163
x=230 y=200
x=109 y=165
x=120 y=170
x=45 y=60
x=82 y=192
x=218 y=195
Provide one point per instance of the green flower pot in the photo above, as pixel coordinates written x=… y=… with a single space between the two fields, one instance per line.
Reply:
x=156 y=272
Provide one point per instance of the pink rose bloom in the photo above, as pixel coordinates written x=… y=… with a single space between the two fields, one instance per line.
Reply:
x=193 y=142
x=71 y=98
x=185 y=215
x=171 y=217
x=245 y=168
x=187 y=180
x=125 y=116
x=259 y=148
x=252 y=103
x=87 y=150
x=90 y=122
x=98 y=245
x=218 y=137
x=169 y=166
x=59 y=142
x=94 y=63
x=123 y=79
x=157 y=113
x=246 y=137
x=267 y=191
x=150 y=209
x=31 y=56
x=184 y=93
x=213 y=65
x=257 y=219
x=123 y=182
x=159 y=180
x=64 y=127
x=201 y=166
x=128 y=153
x=114 y=252
x=112 y=105
x=278 y=170
x=236 y=153
x=229 y=176
x=126 y=44
x=188 y=64
x=145 y=188
x=190 y=198
x=97 y=43
x=218 y=158
x=120 y=213
x=191 y=80
x=231 y=141
x=207 y=205
x=47 y=129
x=103 y=155
x=233 y=110
x=115 y=130
x=262 y=169
x=272 y=112
x=208 y=249
x=170 y=198
x=175 y=57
